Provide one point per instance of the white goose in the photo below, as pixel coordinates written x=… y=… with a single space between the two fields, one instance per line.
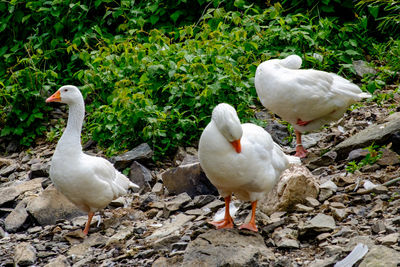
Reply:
x=87 y=181
x=240 y=159
x=307 y=99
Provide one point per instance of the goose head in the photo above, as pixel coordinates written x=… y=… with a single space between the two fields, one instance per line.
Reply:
x=67 y=94
x=292 y=62
x=227 y=122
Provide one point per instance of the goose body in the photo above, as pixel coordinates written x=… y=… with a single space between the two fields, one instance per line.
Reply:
x=305 y=98
x=240 y=159
x=89 y=182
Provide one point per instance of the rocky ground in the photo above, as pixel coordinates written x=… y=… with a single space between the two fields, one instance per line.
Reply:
x=315 y=216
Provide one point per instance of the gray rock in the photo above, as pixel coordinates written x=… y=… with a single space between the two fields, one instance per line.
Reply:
x=17 y=217
x=60 y=261
x=6 y=162
x=24 y=254
x=51 y=206
x=319 y=224
x=278 y=132
x=376 y=133
x=303 y=208
x=7 y=170
x=178 y=201
x=381 y=256
x=227 y=248
x=329 y=185
x=286 y=238
x=166 y=242
x=339 y=214
x=378 y=227
x=118 y=237
x=328 y=262
x=310 y=140
x=388 y=158
x=188 y=178
x=325 y=160
x=158 y=189
x=295 y=185
x=39 y=170
x=312 y=202
x=141 y=176
x=141 y=153
x=176 y=223
x=333 y=250
x=389 y=240
x=361 y=67
x=357 y=154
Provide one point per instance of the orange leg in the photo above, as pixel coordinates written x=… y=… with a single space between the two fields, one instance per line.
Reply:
x=227 y=222
x=300 y=150
x=87 y=226
x=251 y=225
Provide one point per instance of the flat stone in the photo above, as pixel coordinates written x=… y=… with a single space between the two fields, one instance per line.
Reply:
x=120 y=236
x=7 y=170
x=312 y=202
x=175 y=203
x=319 y=224
x=303 y=208
x=381 y=256
x=60 y=261
x=286 y=238
x=211 y=249
x=6 y=162
x=188 y=178
x=329 y=185
x=388 y=158
x=389 y=240
x=175 y=223
x=141 y=153
x=339 y=214
x=24 y=254
x=324 y=194
x=328 y=262
x=333 y=250
x=158 y=188
x=39 y=170
x=17 y=217
x=380 y=189
x=378 y=227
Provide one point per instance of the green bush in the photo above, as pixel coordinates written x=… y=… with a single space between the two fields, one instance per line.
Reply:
x=150 y=73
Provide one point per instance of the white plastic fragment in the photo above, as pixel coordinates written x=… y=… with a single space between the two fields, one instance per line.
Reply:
x=220 y=214
x=369 y=185
x=355 y=255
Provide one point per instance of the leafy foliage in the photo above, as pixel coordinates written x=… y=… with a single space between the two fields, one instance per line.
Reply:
x=373 y=156
x=151 y=71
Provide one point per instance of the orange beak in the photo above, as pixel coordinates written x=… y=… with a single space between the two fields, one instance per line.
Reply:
x=237 y=146
x=56 y=97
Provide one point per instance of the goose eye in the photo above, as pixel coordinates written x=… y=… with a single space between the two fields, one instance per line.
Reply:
x=65 y=90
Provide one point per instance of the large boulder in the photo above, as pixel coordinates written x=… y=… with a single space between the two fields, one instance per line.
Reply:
x=141 y=153
x=188 y=178
x=295 y=185
x=379 y=134
x=228 y=248
x=51 y=206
